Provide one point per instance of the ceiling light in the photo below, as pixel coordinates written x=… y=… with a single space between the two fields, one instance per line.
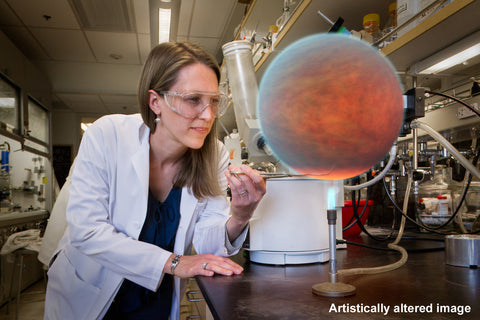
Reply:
x=458 y=53
x=164 y=16
x=459 y=58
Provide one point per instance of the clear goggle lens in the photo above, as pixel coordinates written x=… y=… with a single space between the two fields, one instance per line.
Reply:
x=192 y=104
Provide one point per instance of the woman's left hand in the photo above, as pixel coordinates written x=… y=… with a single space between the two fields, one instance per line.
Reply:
x=247 y=190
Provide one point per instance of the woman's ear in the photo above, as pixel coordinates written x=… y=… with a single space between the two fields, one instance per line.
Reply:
x=154 y=101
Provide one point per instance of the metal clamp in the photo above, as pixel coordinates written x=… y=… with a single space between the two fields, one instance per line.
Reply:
x=191 y=298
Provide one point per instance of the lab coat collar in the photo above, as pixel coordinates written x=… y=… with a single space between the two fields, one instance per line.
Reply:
x=140 y=158
x=143 y=132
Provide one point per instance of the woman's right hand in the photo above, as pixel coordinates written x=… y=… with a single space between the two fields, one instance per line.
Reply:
x=204 y=265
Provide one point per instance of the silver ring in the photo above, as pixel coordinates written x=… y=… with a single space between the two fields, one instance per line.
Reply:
x=243 y=192
x=205 y=266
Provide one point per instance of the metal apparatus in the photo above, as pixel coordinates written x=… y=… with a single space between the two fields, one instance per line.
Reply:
x=463 y=250
x=441 y=161
x=333 y=288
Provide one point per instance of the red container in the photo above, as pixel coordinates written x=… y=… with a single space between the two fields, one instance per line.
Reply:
x=347 y=213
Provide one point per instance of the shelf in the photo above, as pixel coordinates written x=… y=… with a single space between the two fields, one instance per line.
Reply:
x=303 y=22
x=455 y=21
x=16 y=218
x=284 y=31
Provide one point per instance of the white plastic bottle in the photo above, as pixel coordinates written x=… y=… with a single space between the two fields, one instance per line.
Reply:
x=233 y=144
x=443 y=205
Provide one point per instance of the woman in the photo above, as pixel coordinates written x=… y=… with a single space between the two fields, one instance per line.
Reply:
x=144 y=189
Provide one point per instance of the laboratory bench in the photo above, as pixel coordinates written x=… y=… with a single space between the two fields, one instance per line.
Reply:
x=32 y=269
x=424 y=288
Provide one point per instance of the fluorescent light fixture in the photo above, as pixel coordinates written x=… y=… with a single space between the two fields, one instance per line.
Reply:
x=164 y=16
x=458 y=53
x=454 y=60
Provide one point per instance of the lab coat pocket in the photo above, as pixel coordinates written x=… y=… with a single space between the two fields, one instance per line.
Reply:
x=65 y=286
x=86 y=268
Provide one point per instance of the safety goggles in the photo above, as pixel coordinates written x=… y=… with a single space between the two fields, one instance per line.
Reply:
x=191 y=104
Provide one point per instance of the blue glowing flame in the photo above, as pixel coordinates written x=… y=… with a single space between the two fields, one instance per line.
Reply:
x=331 y=196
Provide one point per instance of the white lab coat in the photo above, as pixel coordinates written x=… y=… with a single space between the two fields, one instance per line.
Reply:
x=106 y=210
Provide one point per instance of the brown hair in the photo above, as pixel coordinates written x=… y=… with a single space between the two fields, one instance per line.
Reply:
x=199 y=168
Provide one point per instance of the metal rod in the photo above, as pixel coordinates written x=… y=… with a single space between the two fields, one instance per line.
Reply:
x=268 y=175
x=332 y=220
x=325 y=17
x=415 y=160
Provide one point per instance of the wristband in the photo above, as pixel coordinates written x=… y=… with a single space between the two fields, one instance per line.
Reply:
x=174 y=264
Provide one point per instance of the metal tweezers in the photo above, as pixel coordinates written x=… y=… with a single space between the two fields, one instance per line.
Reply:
x=268 y=175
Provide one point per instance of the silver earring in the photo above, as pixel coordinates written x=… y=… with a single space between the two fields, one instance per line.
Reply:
x=157 y=120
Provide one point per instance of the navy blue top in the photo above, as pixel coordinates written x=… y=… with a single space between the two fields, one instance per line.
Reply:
x=132 y=300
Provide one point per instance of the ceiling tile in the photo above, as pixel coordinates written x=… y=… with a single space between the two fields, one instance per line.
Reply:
x=92 y=77
x=64 y=45
x=105 y=44
x=26 y=42
x=126 y=104
x=184 y=18
x=206 y=21
x=32 y=13
x=83 y=103
x=182 y=38
x=141 y=8
x=128 y=100
x=209 y=44
x=7 y=16
x=114 y=109
x=144 y=45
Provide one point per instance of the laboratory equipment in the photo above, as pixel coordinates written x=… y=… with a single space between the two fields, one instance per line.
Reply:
x=470 y=218
x=5 y=188
x=5 y=160
x=438 y=198
x=244 y=88
x=333 y=288
x=287 y=227
x=336 y=26
x=462 y=250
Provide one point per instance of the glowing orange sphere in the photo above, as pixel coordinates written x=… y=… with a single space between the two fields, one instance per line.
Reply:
x=330 y=106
